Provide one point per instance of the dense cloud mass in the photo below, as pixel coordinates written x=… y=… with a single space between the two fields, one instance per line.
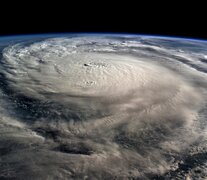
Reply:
x=103 y=107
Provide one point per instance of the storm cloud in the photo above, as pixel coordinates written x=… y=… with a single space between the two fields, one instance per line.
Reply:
x=102 y=107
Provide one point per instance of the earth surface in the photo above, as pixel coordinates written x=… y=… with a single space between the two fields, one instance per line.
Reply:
x=103 y=106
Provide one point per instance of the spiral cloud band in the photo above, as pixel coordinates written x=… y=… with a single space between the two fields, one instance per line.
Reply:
x=103 y=107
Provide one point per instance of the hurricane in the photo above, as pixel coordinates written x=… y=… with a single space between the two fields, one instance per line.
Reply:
x=101 y=106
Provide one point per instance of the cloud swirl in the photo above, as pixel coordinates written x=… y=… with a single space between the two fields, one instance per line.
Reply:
x=103 y=107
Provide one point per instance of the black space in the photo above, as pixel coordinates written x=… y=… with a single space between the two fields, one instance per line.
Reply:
x=56 y=17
